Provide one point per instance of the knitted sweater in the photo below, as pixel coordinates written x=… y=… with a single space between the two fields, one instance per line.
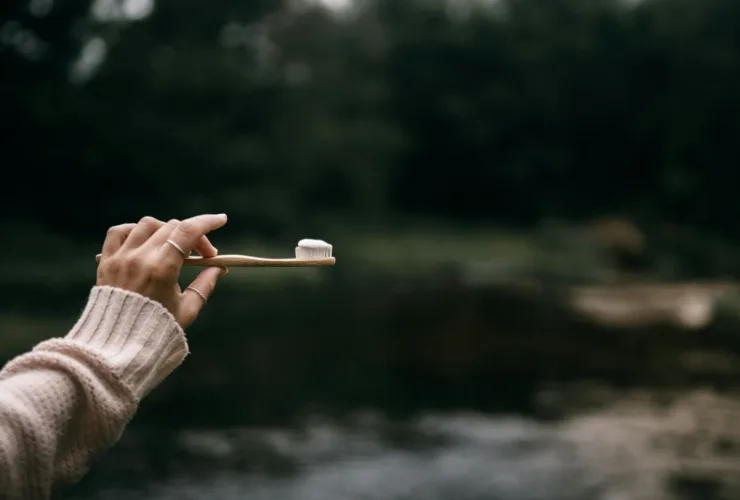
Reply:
x=69 y=399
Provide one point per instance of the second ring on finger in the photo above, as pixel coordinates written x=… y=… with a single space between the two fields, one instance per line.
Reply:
x=178 y=248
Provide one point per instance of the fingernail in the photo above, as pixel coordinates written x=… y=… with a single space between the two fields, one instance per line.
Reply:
x=224 y=272
x=223 y=216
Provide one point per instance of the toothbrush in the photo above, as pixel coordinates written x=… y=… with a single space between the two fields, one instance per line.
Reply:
x=308 y=253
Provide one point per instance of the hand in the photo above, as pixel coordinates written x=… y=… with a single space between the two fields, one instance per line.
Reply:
x=138 y=258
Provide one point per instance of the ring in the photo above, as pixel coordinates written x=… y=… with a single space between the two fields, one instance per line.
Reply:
x=178 y=248
x=198 y=292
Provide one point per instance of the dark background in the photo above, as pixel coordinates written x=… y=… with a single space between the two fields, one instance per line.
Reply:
x=471 y=162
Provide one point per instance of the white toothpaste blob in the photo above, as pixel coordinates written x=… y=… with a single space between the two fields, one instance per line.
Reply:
x=312 y=249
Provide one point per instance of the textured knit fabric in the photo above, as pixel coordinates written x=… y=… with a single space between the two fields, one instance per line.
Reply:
x=69 y=399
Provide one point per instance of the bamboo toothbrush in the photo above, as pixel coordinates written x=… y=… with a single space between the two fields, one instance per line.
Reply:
x=308 y=253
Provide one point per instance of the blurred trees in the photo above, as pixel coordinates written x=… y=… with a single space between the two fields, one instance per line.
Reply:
x=285 y=115
x=280 y=113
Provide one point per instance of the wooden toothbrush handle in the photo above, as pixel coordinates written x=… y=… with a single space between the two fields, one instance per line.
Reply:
x=247 y=261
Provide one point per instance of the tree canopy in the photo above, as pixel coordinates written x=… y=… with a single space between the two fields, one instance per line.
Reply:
x=280 y=113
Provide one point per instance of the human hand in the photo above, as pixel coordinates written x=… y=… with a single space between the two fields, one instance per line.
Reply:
x=147 y=258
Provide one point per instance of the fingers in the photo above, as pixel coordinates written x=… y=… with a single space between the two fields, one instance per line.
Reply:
x=146 y=227
x=162 y=234
x=115 y=238
x=204 y=247
x=189 y=234
x=142 y=261
x=191 y=301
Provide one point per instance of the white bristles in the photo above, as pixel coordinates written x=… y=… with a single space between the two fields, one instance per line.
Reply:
x=312 y=249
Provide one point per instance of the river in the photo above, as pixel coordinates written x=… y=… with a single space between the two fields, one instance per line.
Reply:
x=628 y=451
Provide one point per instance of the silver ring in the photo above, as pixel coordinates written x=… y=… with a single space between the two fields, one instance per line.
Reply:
x=178 y=248
x=198 y=292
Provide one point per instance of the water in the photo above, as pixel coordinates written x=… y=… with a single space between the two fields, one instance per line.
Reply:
x=628 y=451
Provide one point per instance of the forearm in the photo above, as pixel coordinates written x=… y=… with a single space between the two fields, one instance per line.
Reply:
x=69 y=399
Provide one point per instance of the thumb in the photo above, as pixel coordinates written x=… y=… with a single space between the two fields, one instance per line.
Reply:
x=194 y=297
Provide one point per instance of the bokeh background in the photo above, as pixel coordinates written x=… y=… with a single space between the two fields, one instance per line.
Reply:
x=533 y=205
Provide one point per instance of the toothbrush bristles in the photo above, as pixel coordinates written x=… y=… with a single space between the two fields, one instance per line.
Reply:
x=313 y=249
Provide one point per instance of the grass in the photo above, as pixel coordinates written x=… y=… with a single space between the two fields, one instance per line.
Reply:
x=367 y=251
x=405 y=247
x=419 y=249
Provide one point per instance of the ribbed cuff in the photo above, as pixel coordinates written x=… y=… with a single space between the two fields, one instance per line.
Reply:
x=135 y=336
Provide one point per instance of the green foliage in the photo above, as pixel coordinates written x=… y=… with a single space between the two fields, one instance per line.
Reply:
x=299 y=121
x=280 y=114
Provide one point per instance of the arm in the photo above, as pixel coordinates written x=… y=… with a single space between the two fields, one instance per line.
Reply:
x=69 y=399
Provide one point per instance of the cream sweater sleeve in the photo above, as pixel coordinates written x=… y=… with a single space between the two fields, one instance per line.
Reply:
x=69 y=399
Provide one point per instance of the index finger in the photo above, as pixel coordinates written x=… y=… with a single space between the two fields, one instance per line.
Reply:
x=204 y=247
x=189 y=232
